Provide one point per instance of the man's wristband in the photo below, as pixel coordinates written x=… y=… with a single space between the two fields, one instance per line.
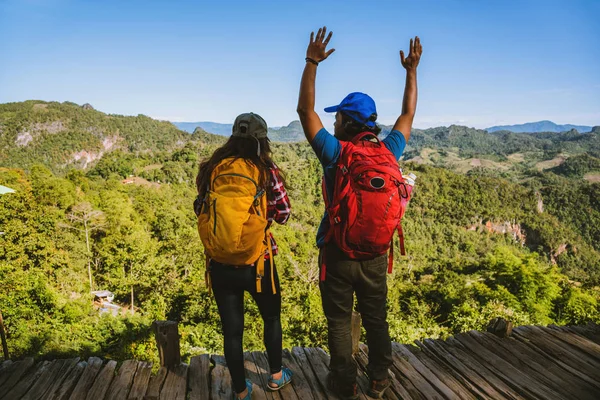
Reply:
x=310 y=60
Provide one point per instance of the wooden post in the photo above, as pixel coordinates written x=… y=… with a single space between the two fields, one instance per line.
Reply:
x=355 y=331
x=3 y=336
x=167 y=341
x=500 y=327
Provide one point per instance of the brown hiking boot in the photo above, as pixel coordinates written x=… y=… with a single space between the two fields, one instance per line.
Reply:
x=344 y=392
x=378 y=388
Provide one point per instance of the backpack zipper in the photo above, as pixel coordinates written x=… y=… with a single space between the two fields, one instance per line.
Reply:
x=215 y=216
x=387 y=208
x=238 y=175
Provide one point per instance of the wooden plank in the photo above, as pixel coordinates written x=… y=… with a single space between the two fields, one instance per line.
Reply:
x=27 y=381
x=66 y=388
x=583 y=344
x=258 y=375
x=363 y=383
x=199 y=377
x=582 y=331
x=94 y=364
x=175 y=386
x=535 y=366
x=58 y=379
x=102 y=382
x=45 y=380
x=590 y=331
x=288 y=392
x=470 y=369
x=119 y=388
x=140 y=381
x=6 y=369
x=220 y=379
x=156 y=384
x=563 y=374
x=405 y=371
x=557 y=350
x=519 y=381
x=464 y=389
x=13 y=373
x=299 y=380
x=401 y=385
x=362 y=361
x=318 y=392
x=320 y=369
x=166 y=334
x=361 y=379
x=584 y=354
x=425 y=372
x=568 y=365
x=406 y=384
x=5 y=364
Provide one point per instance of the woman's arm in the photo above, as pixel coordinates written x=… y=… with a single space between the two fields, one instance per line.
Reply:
x=278 y=203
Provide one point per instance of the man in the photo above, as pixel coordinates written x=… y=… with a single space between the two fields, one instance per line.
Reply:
x=345 y=276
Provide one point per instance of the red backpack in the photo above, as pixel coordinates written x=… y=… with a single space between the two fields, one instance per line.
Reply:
x=369 y=199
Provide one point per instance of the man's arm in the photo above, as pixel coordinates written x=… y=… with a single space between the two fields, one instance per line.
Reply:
x=315 y=53
x=409 y=102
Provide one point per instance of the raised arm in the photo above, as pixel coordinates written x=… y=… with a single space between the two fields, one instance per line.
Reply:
x=409 y=102
x=315 y=53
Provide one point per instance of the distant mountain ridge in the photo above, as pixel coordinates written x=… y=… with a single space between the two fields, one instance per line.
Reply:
x=291 y=133
x=212 y=127
x=540 y=126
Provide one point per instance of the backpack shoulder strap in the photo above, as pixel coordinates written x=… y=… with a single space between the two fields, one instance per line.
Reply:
x=361 y=136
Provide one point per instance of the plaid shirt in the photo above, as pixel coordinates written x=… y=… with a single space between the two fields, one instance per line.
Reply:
x=278 y=204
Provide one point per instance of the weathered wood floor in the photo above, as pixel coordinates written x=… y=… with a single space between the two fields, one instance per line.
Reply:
x=534 y=363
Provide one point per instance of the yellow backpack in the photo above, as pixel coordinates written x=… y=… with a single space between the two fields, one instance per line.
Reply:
x=233 y=220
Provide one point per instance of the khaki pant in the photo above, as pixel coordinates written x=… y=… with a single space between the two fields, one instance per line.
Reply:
x=368 y=279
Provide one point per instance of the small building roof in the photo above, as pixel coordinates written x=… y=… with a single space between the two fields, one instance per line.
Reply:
x=102 y=293
x=5 y=190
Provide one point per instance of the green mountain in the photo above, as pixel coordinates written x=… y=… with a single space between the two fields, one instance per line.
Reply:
x=62 y=135
x=291 y=133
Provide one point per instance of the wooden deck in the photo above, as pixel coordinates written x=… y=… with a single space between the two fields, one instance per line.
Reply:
x=534 y=363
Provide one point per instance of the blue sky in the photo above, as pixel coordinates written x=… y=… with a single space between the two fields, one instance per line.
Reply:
x=484 y=62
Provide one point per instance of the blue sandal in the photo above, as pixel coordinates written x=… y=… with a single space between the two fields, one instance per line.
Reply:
x=249 y=395
x=286 y=377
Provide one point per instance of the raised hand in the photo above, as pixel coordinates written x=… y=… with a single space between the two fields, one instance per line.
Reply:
x=317 y=48
x=414 y=54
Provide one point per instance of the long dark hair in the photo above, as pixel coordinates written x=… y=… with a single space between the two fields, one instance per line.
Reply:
x=351 y=127
x=238 y=147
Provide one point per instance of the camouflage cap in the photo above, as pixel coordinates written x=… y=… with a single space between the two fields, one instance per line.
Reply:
x=249 y=125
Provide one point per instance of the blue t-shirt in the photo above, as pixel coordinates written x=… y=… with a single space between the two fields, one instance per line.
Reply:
x=327 y=148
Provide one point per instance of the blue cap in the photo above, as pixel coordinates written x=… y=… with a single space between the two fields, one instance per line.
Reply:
x=358 y=106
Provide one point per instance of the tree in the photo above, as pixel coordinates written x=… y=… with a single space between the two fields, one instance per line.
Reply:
x=85 y=219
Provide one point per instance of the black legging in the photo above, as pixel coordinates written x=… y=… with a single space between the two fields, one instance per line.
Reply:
x=229 y=284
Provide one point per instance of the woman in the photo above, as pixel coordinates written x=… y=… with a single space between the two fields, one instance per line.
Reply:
x=241 y=192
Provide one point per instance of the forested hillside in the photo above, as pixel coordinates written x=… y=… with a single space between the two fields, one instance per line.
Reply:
x=520 y=242
x=65 y=135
